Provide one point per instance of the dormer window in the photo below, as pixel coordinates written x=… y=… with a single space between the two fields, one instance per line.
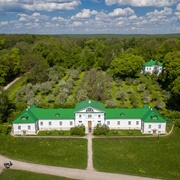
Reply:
x=122 y=114
x=154 y=117
x=57 y=114
x=24 y=118
x=89 y=110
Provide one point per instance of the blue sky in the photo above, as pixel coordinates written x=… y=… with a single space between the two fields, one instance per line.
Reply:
x=90 y=16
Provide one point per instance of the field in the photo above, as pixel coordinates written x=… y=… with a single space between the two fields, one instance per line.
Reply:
x=151 y=157
x=70 y=153
x=19 y=175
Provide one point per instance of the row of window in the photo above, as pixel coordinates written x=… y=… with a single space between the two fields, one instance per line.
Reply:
x=118 y=122
x=60 y=123
x=90 y=116
x=19 y=127
x=159 y=126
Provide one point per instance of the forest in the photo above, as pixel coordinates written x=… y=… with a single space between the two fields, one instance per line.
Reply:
x=61 y=70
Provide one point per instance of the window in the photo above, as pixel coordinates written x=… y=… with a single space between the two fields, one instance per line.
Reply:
x=159 y=132
x=50 y=123
x=57 y=114
x=24 y=118
x=80 y=116
x=99 y=122
x=71 y=123
x=137 y=122
x=108 y=122
x=121 y=114
x=149 y=132
x=29 y=127
x=41 y=123
x=149 y=126
x=60 y=123
x=159 y=126
x=89 y=116
x=80 y=122
x=19 y=127
x=118 y=122
x=99 y=115
x=129 y=122
x=89 y=110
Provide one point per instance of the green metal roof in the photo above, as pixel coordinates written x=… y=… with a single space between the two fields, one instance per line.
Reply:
x=126 y=113
x=53 y=113
x=32 y=114
x=152 y=63
x=153 y=116
x=89 y=103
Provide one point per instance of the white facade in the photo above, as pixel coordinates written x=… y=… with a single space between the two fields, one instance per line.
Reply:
x=152 y=69
x=154 y=128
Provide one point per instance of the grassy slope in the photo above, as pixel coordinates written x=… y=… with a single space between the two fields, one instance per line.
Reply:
x=20 y=175
x=58 y=152
x=151 y=157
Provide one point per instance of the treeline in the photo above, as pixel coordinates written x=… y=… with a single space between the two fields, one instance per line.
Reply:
x=103 y=59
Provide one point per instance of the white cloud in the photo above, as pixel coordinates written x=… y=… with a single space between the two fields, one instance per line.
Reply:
x=142 y=3
x=122 y=12
x=85 y=13
x=3 y=23
x=77 y=23
x=40 y=5
x=178 y=7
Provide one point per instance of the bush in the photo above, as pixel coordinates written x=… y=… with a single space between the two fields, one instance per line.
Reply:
x=78 y=130
x=101 y=130
x=5 y=129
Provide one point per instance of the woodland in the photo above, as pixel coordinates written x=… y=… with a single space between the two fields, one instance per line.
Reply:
x=59 y=71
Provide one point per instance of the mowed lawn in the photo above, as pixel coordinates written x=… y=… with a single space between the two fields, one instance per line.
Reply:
x=157 y=157
x=70 y=153
x=21 y=175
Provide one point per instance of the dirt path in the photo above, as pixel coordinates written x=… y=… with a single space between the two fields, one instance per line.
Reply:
x=90 y=152
x=11 y=83
x=67 y=172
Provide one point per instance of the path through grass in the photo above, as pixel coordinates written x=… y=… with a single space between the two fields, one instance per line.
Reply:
x=151 y=157
x=20 y=175
x=70 y=153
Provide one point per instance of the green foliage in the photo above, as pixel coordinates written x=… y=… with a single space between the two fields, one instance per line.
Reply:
x=78 y=130
x=126 y=65
x=101 y=130
x=177 y=123
x=5 y=129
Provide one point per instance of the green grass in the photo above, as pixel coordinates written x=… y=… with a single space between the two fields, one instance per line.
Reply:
x=54 y=133
x=21 y=175
x=156 y=157
x=70 y=153
x=125 y=133
x=11 y=91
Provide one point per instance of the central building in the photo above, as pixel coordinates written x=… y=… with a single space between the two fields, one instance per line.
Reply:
x=89 y=113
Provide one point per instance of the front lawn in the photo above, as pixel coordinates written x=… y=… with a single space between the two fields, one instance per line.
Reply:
x=70 y=153
x=156 y=157
x=20 y=175
x=54 y=133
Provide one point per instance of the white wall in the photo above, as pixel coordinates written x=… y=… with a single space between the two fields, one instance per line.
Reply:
x=30 y=128
x=149 y=127
x=124 y=123
x=151 y=69
x=55 y=124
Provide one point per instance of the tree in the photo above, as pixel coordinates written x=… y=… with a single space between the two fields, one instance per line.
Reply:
x=36 y=66
x=126 y=65
x=5 y=107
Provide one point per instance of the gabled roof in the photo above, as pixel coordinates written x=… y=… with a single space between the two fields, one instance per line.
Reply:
x=153 y=116
x=89 y=103
x=152 y=63
x=25 y=117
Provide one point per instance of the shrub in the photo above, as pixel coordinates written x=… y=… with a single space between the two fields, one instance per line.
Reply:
x=78 y=130
x=5 y=129
x=101 y=129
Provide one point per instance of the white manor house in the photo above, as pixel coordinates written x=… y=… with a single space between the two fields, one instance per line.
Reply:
x=89 y=113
